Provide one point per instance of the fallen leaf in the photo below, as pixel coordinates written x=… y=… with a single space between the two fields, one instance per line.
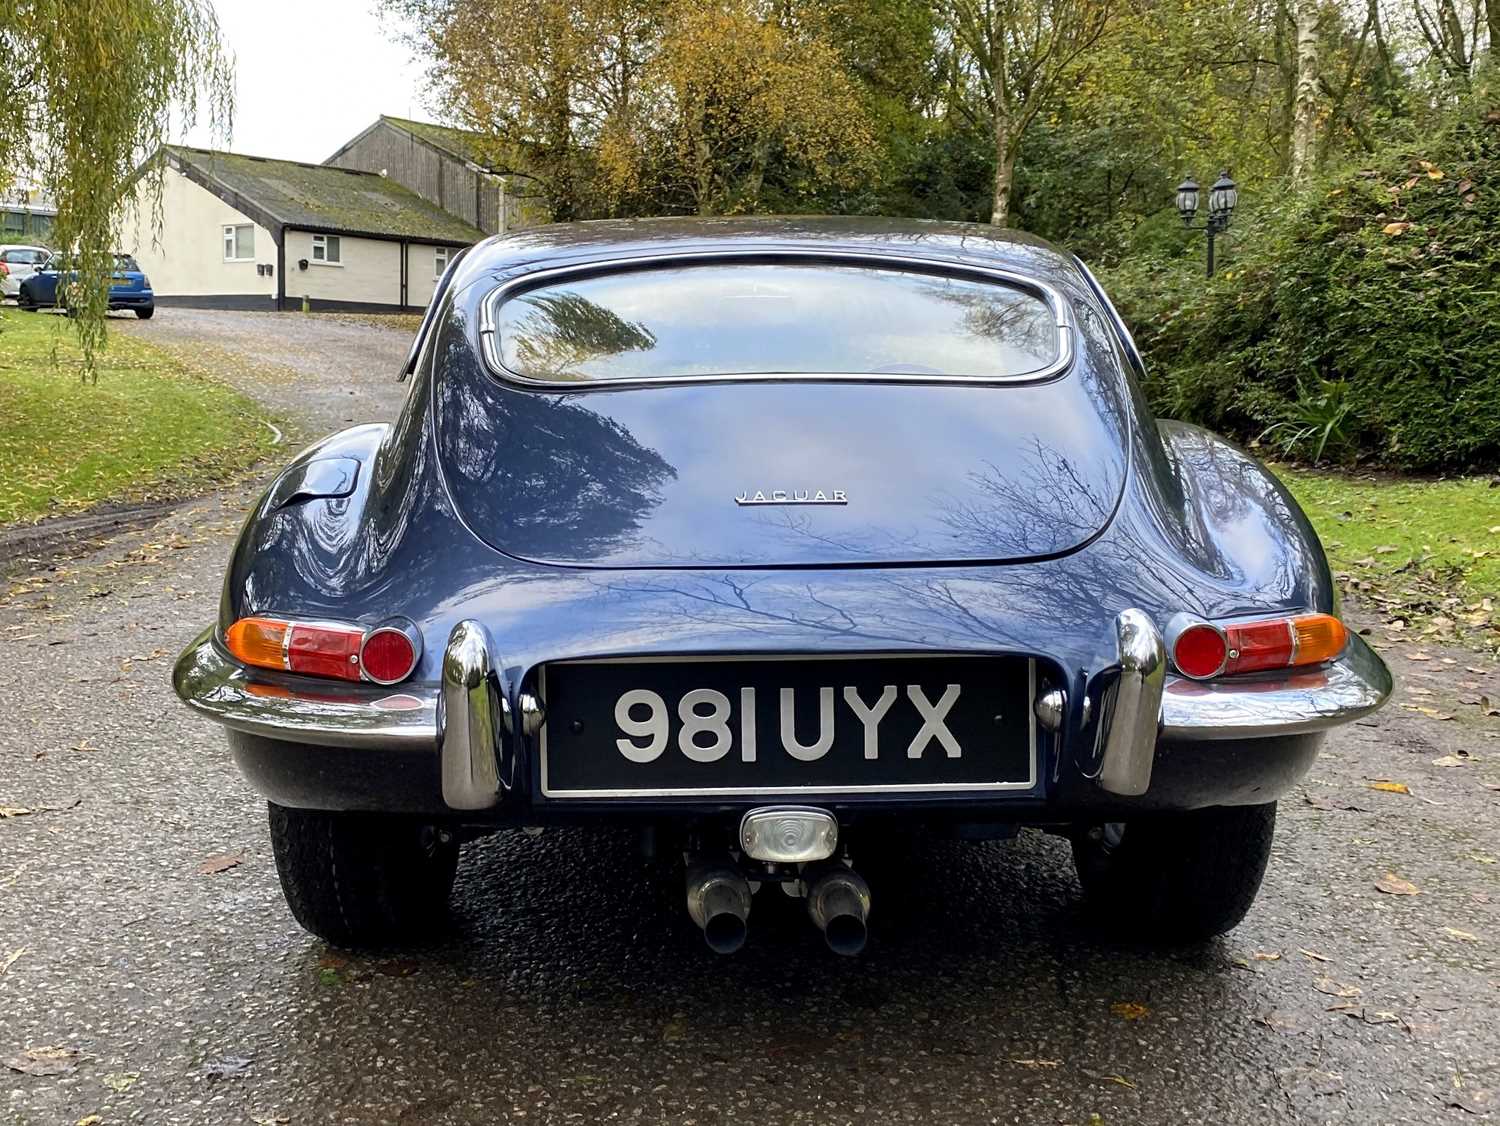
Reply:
x=227 y=1068
x=1033 y=1064
x=1278 y=1021
x=1465 y=936
x=12 y=958
x=121 y=1080
x=1266 y=956
x=1314 y=955
x=674 y=1030
x=1392 y=884
x=1450 y=760
x=1336 y=988
x=44 y=1061
x=1130 y=1010
x=1310 y=1080
x=1388 y=787
x=220 y=862
x=1394 y=229
x=90 y=1120
x=13 y=811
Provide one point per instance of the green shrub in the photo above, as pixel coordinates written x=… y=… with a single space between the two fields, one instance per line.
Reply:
x=1356 y=320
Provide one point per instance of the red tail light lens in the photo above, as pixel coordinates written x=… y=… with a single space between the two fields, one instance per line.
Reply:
x=388 y=655
x=1200 y=651
x=1203 y=650
x=385 y=655
x=324 y=651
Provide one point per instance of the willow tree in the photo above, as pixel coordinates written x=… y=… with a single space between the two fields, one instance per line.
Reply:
x=87 y=91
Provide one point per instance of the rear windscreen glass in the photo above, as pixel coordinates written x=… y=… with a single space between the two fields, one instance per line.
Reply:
x=757 y=319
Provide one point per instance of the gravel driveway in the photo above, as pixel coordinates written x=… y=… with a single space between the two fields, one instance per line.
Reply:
x=141 y=926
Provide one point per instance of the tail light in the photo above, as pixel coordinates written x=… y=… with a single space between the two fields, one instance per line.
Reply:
x=386 y=654
x=1204 y=650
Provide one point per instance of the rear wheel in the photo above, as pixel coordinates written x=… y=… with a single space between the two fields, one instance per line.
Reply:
x=24 y=300
x=145 y=312
x=1178 y=878
x=363 y=880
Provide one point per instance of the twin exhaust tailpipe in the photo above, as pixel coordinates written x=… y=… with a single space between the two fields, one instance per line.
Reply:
x=838 y=902
x=718 y=899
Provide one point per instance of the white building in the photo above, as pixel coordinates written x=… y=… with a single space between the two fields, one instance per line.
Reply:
x=244 y=232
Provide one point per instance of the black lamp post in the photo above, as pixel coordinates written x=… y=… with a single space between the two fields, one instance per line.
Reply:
x=1221 y=200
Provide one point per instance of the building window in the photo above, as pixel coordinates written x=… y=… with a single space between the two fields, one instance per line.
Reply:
x=15 y=221
x=440 y=262
x=239 y=243
x=326 y=250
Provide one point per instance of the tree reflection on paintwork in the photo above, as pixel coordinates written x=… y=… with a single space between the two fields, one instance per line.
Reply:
x=542 y=470
x=561 y=331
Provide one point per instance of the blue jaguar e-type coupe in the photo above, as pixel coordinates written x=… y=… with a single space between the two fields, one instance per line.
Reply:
x=766 y=538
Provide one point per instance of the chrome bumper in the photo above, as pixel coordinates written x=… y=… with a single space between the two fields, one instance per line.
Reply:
x=332 y=714
x=468 y=717
x=1148 y=706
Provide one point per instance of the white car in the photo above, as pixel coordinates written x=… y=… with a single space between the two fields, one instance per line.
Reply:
x=22 y=262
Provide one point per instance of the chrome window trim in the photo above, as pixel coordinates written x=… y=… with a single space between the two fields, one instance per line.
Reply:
x=430 y=314
x=823 y=792
x=490 y=338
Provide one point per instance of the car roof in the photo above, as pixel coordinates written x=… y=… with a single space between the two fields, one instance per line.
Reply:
x=973 y=243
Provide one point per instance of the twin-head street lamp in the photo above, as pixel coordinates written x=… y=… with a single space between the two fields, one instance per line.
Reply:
x=1221 y=200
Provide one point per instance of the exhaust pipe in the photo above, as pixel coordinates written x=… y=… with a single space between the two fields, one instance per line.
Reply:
x=839 y=902
x=718 y=899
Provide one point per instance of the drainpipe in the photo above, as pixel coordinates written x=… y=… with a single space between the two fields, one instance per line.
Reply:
x=405 y=271
x=279 y=234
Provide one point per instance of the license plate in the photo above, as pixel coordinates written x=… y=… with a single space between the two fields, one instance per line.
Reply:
x=723 y=727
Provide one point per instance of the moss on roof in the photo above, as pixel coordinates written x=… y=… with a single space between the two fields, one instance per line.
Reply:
x=462 y=143
x=321 y=196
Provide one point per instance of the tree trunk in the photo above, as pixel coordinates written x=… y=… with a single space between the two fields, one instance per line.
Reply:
x=1005 y=166
x=1305 y=114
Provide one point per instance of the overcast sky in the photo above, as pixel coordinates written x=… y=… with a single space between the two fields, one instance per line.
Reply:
x=310 y=74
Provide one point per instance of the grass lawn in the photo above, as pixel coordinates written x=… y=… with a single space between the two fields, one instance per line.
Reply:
x=155 y=427
x=1426 y=548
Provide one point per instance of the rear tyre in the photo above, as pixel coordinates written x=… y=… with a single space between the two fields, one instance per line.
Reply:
x=1178 y=878
x=363 y=880
x=145 y=314
x=26 y=303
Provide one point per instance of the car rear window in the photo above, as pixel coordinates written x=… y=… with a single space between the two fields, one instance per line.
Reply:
x=125 y=263
x=686 y=322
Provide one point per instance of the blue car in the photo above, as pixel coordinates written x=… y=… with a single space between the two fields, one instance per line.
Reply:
x=769 y=541
x=129 y=287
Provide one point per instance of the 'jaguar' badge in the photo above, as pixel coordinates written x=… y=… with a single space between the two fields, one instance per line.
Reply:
x=793 y=496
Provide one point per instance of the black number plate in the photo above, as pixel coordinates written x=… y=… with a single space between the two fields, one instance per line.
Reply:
x=731 y=727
